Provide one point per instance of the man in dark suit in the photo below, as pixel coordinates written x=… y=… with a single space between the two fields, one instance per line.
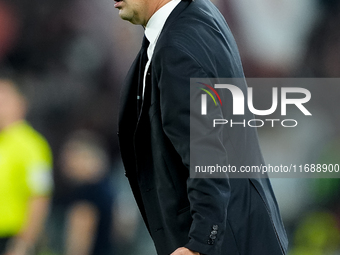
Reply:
x=221 y=216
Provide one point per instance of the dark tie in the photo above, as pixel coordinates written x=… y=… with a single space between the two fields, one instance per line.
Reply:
x=142 y=63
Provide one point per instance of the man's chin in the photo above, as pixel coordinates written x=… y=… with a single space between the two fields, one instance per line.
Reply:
x=127 y=17
x=123 y=15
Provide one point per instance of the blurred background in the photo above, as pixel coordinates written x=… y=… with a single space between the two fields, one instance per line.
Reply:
x=71 y=57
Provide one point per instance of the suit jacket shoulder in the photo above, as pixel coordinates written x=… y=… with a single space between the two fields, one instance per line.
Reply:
x=199 y=30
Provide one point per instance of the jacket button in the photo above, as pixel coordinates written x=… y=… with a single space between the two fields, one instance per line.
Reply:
x=214 y=232
x=215 y=227
x=210 y=242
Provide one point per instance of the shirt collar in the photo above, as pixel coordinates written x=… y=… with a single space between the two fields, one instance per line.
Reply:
x=156 y=22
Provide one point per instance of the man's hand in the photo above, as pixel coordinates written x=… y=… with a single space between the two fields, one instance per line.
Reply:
x=184 y=251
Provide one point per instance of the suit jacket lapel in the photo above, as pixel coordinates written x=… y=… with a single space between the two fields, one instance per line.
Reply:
x=147 y=94
x=128 y=99
x=128 y=106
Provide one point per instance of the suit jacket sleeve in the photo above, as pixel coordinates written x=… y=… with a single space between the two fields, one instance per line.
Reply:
x=173 y=67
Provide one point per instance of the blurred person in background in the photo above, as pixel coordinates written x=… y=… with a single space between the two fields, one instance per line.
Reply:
x=9 y=27
x=89 y=204
x=272 y=35
x=322 y=57
x=25 y=174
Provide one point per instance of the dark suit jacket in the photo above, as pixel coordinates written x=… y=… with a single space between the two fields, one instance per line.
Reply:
x=211 y=216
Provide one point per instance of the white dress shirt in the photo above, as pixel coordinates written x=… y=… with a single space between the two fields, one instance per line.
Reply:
x=154 y=28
